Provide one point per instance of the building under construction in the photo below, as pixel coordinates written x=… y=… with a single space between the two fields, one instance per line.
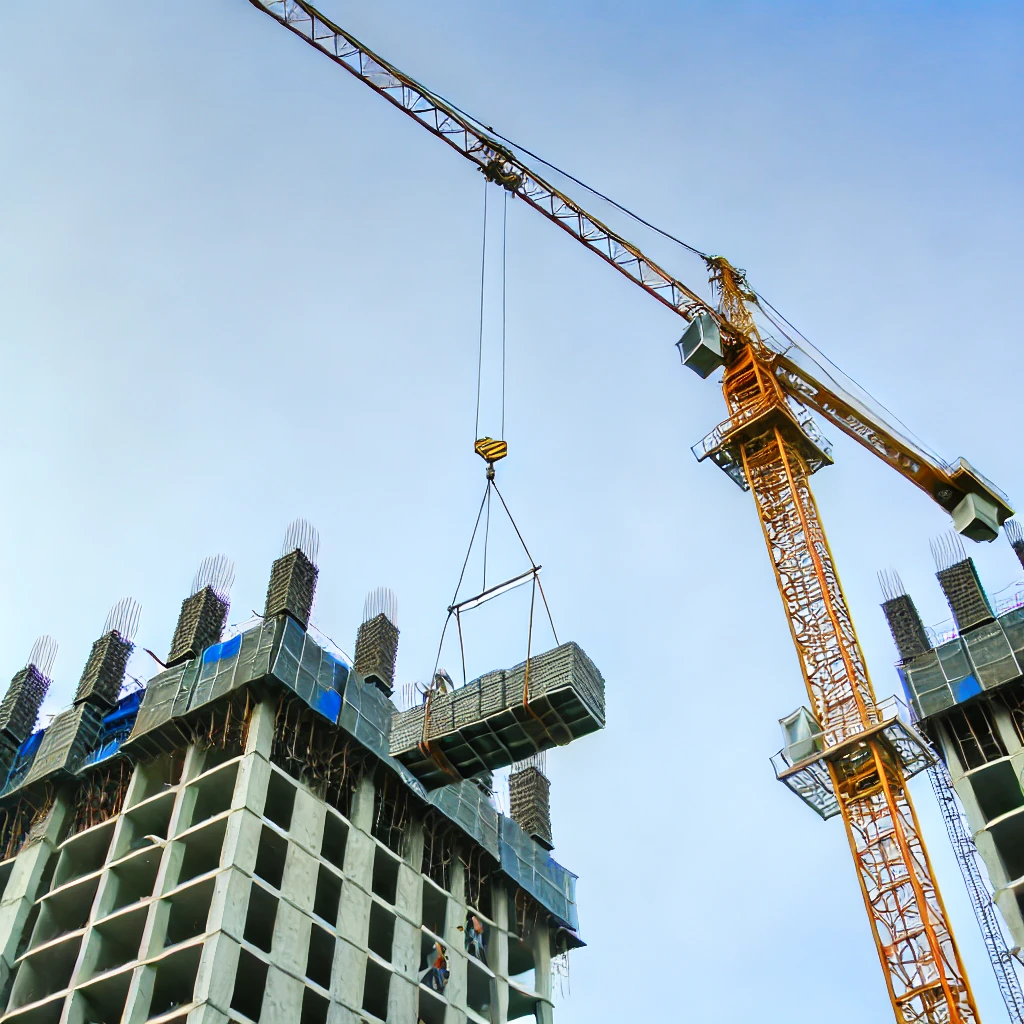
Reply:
x=966 y=687
x=259 y=834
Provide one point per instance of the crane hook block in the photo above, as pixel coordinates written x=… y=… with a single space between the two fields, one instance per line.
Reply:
x=700 y=347
x=490 y=450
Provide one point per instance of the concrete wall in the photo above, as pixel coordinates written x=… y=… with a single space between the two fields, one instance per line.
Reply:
x=229 y=892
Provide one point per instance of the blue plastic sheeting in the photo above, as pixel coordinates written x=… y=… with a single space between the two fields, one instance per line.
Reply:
x=22 y=761
x=218 y=652
x=538 y=873
x=115 y=729
x=282 y=648
x=315 y=674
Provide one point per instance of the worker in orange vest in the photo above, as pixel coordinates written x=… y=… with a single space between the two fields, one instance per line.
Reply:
x=439 y=969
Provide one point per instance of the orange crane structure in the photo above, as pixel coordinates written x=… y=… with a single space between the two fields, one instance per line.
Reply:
x=859 y=759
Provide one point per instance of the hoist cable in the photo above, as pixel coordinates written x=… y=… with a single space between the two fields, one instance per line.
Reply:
x=480 y=340
x=565 y=174
x=504 y=246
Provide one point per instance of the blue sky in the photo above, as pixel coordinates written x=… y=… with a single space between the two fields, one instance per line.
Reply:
x=236 y=287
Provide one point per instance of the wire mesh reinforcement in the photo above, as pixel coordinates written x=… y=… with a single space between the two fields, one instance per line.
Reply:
x=104 y=671
x=908 y=631
x=292 y=587
x=965 y=594
x=20 y=706
x=529 y=804
x=377 y=651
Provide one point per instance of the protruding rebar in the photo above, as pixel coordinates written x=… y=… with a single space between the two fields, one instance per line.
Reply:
x=381 y=601
x=43 y=655
x=891 y=584
x=538 y=761
x=123 y=619
x=1015 y=535
x=216 y=572
x=304 y=536
x=947 y=550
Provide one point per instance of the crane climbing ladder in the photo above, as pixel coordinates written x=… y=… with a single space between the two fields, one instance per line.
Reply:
x=1004 y=964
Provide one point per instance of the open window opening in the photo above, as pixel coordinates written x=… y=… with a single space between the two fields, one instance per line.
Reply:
x=102 y=1000
x=320 y=959
x=332 y=846
x=250 y=982
x=212 y=793
x=188 y=913
x=381 y=936
x=432 y=1007
x=327 y=896
x=83 y=853
x=314 y=1008
x=260 y=917
x=202 y=850
x=131 y=881
x=376 y=984
x=385 y=875
x=435 y=908
x=975 y=737
x=391 y=811
x=280 y=803
x=175 y=980
x=63 y=911
x=115 y=942
x=478 y=990
x=158 y=776
x=45 y=971
x=271 y=856
x=151 y=819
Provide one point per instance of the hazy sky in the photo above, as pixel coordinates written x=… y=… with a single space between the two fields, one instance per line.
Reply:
x=237 y=287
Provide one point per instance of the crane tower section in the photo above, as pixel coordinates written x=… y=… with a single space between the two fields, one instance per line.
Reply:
x=866 y=771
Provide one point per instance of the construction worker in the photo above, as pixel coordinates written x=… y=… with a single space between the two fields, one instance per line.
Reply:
x=439 y=969
x=475 y=937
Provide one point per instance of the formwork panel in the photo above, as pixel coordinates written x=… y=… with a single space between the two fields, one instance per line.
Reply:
x=495 y=720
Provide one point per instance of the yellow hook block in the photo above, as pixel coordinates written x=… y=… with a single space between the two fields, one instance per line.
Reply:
x=490 y=450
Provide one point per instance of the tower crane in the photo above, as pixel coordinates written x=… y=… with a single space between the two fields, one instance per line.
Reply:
x=770 y=445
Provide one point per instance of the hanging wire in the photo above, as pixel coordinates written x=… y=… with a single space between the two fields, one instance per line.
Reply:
x=504 y=245
x=480 y=340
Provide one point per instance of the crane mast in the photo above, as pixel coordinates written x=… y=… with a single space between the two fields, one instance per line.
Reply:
x=770 y=446
x=923 y=972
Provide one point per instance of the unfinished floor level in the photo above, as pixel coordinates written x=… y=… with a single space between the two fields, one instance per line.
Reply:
x=235 y=843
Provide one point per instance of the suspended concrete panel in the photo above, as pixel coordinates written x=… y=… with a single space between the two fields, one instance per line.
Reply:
x=487 y=724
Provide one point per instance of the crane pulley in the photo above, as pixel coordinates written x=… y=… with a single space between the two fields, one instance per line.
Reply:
x=769 y=444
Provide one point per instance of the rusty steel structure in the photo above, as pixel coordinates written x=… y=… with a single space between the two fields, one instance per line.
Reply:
x=770 y=445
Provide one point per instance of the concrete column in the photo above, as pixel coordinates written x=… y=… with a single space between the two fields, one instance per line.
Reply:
x=542 y=973
x=455 y=941
x=260 y=738
x=218 y=964
x=22 y=888
x=1005 y=729
x=497 y=953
